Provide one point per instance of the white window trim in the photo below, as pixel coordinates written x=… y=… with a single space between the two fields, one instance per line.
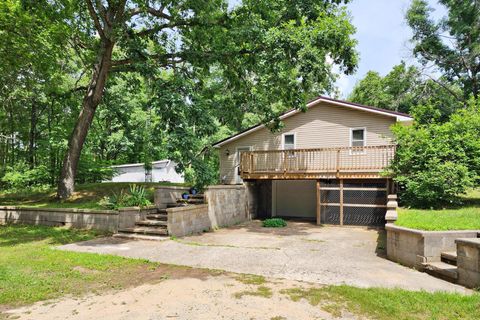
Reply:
x=237 y=162
x=364 y=140
x=294 y=134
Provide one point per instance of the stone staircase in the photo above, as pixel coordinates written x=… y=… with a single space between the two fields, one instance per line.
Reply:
x=154 y=227
x=445 y=269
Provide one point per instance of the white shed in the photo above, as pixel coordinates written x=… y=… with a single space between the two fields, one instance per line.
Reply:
x=162 y=170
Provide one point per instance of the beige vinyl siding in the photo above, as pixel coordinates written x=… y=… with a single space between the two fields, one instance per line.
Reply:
x=323 y=125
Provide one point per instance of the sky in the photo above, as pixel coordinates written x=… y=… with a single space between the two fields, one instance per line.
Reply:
x=383 y=37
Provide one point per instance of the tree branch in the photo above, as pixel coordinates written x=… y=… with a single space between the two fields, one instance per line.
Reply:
x=152 y=11
x=93 y=14
x=158 y=13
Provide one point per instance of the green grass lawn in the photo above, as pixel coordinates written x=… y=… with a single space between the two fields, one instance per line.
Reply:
x=386 y=304
x=86 y=196
x=464 y=217
x=32 y=270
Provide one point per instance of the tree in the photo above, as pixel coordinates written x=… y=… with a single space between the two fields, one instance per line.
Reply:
x=265 y=51
x=405 y=89
x=437 y=162
x=452 y=44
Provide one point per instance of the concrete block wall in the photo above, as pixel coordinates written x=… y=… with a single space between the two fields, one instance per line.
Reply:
x=187 y=220
x=468 y=262
x=228 y=204
x=165 y=195
x=105 y=220
x=412 y=247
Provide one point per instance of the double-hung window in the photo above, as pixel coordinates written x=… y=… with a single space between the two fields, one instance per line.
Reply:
x=358 y=139
x=289 y=141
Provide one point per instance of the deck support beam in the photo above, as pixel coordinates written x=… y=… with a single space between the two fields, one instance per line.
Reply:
x=341 y=202
x=319 y=204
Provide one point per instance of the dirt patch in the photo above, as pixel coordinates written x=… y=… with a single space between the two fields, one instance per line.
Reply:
x=186 y=294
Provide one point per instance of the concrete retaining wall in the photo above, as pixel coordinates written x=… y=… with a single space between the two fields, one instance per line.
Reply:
x=186 y=220
x=165 y=195
x=228 y=205
x=412 y=247
x=468 y=262
x=104 y=220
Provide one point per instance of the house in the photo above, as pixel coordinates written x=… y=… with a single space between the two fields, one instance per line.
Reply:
x=162 y=170
x=326 y=164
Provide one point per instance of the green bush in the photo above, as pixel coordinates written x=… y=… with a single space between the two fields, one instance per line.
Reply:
x=274 y=223
x=436 y=163
x=136 y=197
x=21 y=176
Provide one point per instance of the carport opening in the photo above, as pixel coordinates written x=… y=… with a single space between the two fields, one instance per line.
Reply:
x=330 y=202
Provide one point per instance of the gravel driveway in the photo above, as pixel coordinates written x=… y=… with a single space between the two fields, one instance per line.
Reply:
x=302 y=251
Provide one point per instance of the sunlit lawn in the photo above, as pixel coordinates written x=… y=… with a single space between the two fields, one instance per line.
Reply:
x=464 y=217
x=85 y=197
x=32 y=270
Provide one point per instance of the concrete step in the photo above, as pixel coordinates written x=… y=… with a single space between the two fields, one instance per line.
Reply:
x=174 y=205
x=151 y=223
x=442 y=270
x=191 y=201
x=160 y=211
x=449 y=257
x=197 y=196
x=145 y=230
x=157 y=216
x=135 y=236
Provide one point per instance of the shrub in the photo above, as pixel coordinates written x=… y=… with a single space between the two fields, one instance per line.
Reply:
x=436 y=163
x=274 y=223
x=20 y=176
x=136 y=197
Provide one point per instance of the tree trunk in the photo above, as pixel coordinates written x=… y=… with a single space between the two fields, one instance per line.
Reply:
x=32 y=135
x=91 y=100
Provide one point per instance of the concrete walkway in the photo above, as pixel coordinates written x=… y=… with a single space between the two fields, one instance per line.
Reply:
x=302 y=251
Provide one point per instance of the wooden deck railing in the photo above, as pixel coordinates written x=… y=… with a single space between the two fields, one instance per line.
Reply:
x=323 y=161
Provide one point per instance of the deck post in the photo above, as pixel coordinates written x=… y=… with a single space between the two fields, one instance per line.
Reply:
x=318 y=204
x=341 y=202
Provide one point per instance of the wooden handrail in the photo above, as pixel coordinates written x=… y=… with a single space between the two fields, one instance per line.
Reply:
x=333 y=159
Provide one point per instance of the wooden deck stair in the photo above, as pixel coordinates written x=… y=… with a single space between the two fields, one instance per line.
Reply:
x=154 y=227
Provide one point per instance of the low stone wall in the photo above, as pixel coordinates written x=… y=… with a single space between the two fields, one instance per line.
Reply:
x=228 y=205
x=186 y=220
x=105 y=220
x=468 y=262
x=412 y=247
x=165 y=195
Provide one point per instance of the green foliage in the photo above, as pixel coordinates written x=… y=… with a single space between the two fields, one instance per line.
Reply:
x=404 y=89
x=274 y=223
x=435 y=164
x=178 y=82
x=451 y=44
x=136 y=197
x=21 y=177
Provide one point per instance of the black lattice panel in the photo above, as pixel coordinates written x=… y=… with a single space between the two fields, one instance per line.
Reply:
x=330 y=215
x=365 y=197
x=330 y=196
x=329 y=183
x=364 y=216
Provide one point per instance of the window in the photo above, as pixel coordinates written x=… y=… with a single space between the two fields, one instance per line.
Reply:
x=357 y=137
x=289 y=141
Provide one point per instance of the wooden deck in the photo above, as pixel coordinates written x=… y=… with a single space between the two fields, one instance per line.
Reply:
x=323 y=163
